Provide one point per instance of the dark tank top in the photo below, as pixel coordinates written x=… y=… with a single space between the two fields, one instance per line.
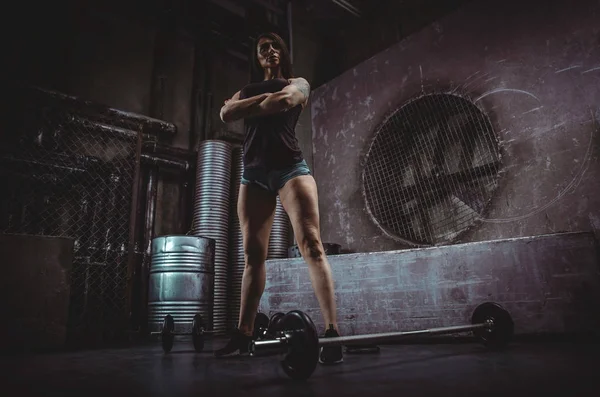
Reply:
x=270 y=141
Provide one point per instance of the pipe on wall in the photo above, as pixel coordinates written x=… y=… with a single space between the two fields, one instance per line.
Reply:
x=348 y=7
x=185 y=200
x=206 y=97
x=208 y=117
x=150 y=125
x=149 y=220
x=165 y=162
x=290 y=30
x=196 y=98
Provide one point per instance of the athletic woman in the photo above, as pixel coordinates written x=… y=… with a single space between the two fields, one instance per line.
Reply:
x=274 y=165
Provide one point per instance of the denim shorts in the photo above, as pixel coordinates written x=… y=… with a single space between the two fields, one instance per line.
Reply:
x=273 y=180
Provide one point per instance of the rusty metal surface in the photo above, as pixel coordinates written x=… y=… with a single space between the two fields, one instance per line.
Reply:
x=549 y=284
x=34 y=290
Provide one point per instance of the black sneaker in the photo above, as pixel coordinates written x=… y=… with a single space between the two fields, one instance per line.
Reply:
x=236 y=346
x=331 y=354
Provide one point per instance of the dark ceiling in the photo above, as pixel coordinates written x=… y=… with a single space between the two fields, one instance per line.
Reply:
x=331 y=16
x=357 y=29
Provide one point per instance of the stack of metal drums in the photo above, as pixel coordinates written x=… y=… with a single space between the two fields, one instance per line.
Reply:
x=236 y=247
x=181 y=281
x=202 y=272
x=211 y=216
x=279 y=239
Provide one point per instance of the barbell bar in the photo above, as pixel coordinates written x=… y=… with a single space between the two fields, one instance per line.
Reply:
x=490 y=323
x=374 y=338
x=198 y=331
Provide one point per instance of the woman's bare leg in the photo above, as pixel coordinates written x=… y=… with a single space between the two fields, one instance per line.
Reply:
x=256 y=211
x=300 y=201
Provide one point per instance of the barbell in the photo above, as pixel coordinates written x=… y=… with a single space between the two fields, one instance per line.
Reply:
x=297 y=337
x=199 y=330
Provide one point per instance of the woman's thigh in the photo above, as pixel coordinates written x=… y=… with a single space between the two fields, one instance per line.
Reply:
x=300 y=200
x=256 y=211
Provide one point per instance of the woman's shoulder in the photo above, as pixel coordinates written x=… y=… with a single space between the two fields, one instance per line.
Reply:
x=298 y=79
x=292 y=79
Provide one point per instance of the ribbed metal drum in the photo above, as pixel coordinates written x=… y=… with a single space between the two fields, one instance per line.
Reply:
x=236 y=247
x=279 y=240
x=211 y=216
x=181 y=281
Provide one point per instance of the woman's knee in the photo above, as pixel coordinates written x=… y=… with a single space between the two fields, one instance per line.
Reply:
x=255 y=254
x=311 y=247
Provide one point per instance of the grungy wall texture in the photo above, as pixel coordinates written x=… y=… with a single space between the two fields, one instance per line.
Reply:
x=306 y=62
x=104 y=67
x=549 y=284
x=535 y=71
x=37 y=283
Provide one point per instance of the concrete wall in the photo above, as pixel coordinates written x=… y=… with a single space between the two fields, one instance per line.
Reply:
x=228 y=75
x=105 y=68
x=534 y=71
x=306 y=63
x=549 y=284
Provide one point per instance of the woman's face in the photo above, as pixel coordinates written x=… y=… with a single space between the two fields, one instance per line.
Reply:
x=269 y=53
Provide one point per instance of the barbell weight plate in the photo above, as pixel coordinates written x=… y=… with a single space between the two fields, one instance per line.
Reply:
x=303 y=347
x=274 y=322
x=167 y=333
x=261 y=322
x=198 y=333
x=502 y=331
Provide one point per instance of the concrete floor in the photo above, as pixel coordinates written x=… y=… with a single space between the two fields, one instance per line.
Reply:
x=466 y=369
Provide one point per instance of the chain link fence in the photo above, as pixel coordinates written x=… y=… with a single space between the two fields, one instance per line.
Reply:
x=68 y=169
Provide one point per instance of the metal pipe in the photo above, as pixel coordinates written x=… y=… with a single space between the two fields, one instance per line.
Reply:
x=151 y=192
x=165 y=162
x=370 y=338
x=133 y=217
x=149 y=222
x=183 y=201
x=157 y=148
x=209 y=105
x=395 y=335
x=290 y=31
x=206 y=97
x=149 y=125
x=113 y=240
x=82 y=121
x=348 y=7
x=196 y=93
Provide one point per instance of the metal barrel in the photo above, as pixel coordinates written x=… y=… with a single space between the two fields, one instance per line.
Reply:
x=279 y=239
x=211 y=216
x=181 y=281
x=236 y=246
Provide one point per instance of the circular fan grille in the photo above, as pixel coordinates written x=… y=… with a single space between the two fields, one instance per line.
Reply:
x=431 y=169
